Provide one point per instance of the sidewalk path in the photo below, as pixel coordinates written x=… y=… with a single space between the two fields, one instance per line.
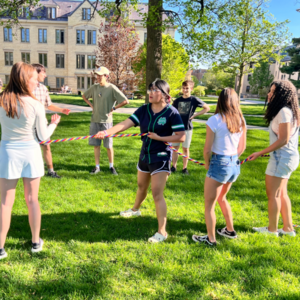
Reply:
x=129 y=111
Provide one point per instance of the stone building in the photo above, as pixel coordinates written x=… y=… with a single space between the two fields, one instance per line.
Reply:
x=62 y=35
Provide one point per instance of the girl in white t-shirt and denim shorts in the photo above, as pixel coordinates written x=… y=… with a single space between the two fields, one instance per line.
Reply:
x=283 y=118
x=225 y=142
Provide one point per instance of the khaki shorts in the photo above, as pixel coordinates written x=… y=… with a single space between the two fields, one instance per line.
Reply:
x=95 y=128
x=188 y=139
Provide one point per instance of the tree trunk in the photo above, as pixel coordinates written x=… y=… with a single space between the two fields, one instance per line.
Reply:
x=240 y=79
x=154 y=42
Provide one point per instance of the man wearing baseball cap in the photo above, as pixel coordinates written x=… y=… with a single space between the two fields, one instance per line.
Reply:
x=104 y=96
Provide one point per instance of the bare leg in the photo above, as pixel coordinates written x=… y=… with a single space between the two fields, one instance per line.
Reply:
x=225 y=206
x=274 y=186
x=158 y=183
x=8 y=192
x=47 y=156
x=186 y=151
x=175 y=157
x=31 y=191
x=143 y=180
x=97 y=154
x=110 y=154
x=286 y=208
x=212 y=190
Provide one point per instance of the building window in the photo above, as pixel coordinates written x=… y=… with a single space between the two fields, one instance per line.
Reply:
x=25 y=35
x=80 y=36
x=43 y=59
x=25 y=57
x=46 y=81
x=89 y=82
x=6 y=79
x=26 y=12
x=248 y=89
x=145 y=37
x=51 y=13
x=80 y=82
x=251 y=65
x=91 y=37
x=7 y=35
x=8 y=58
x=60 y=36
x=42 y=35
x=281 y=77
x=91 y=61
x=80 y=61
x=60 y=61
x=249 y=76
x=59 y=82
x=86 y=14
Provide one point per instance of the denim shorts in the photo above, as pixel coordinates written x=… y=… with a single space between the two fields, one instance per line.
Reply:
x=224 y=168
x=282 y=167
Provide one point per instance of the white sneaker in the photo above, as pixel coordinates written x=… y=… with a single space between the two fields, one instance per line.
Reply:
x=130 y=213
x=264 y=230
x=290 y=233
x=157 y=238
x=37 y=247
x=95 y=171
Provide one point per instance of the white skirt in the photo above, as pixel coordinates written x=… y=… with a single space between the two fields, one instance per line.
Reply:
x=20 y=159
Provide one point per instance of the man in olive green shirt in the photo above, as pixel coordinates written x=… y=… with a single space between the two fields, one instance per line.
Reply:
x=104 y=96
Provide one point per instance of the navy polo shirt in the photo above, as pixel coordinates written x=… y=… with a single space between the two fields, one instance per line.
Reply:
x=163 y=123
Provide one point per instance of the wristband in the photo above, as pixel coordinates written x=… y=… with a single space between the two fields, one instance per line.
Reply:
x=114 y=108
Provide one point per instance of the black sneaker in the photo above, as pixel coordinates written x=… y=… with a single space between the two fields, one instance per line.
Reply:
x=113 y=171
x=95 y=171
x=203 y=240
x=185 y=172
x=53 y=174
x=37 y=247
x=229 y=234
x=173 y=170
x=3 y=254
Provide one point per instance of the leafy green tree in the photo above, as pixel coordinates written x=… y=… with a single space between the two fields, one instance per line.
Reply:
x=175 y=64
x=196 y=81
x=261 y=77
x=215 y=79
x=294 y=65
x=244 y=34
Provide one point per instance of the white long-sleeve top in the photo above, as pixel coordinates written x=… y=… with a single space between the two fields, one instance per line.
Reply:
x=23 y=129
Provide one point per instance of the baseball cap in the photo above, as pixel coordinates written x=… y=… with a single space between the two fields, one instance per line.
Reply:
x=102 y=71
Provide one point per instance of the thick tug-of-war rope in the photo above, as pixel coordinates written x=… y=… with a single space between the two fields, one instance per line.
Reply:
x=91 y=136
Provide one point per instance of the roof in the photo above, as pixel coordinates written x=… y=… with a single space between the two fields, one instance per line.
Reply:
x=283 y=52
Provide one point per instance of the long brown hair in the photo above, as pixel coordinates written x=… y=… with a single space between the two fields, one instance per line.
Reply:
x=17 y=86
x=285 y=95
x=228 y=107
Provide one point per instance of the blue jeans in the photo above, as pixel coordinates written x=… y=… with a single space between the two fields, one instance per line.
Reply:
x=224 y=168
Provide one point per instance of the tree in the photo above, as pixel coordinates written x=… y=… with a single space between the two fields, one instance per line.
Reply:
x=261 y=77
x=294 y=65
x=244 y=35
x=118 y=51
x=175 y=63
x=215 y=79
x=196 y=81
x=12 y=10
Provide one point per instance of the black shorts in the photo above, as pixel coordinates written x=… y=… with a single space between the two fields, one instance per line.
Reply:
x=161 y=166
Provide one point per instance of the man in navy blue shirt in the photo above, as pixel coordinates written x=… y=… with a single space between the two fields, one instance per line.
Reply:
x=186 y=106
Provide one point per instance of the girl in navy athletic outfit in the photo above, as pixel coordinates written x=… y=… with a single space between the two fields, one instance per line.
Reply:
x=160 y=120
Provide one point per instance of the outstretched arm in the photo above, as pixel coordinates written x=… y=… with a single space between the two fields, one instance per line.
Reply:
x=117 y=128
x=58 y=109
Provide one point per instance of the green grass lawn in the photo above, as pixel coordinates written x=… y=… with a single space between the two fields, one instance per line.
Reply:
x=246 y=109
x=92 y=253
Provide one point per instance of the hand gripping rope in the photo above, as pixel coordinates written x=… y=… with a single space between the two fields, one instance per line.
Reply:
x=136 y=134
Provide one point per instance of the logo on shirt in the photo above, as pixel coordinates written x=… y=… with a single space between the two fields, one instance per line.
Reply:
x=162 y=154
x=184 y=107
x=162 y=121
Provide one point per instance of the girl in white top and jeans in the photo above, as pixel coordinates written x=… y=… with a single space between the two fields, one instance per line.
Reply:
x=283 y=118
x=20 y=154
x=225 y=142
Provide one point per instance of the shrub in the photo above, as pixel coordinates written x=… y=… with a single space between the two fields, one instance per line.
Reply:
x=263 y=92
x=209 y=92
x=175 y=93
x=218 y=92
x=199 y=91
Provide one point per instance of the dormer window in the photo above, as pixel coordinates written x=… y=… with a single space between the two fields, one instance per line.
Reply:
x=86 y=14
x=51 y=12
